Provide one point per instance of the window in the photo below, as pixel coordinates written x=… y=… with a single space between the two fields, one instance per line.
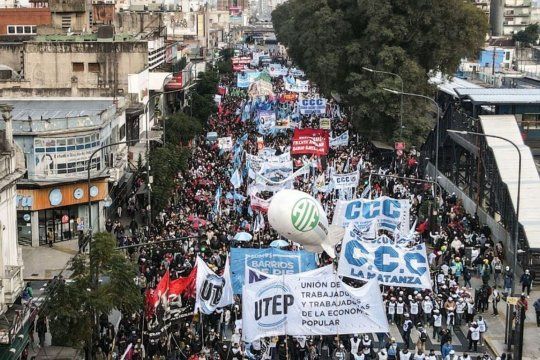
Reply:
x=77 y=66
x=21 y=29
x=122 y=132
x=507 y=56
x=94 y=67
x=66 y=22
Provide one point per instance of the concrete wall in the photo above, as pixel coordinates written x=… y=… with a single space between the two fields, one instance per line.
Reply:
x=131 y=22
x=51 y=64
x=11 y=55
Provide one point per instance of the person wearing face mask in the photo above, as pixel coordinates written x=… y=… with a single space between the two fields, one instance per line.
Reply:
x=419 y=355
x=367 y=346
x=465 y=356
x=473 y=335
x=431 y=355
x=355 y=344
x=405 y=354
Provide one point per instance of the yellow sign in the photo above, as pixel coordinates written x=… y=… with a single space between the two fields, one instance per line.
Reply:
x=512 y=300
x=324 y=123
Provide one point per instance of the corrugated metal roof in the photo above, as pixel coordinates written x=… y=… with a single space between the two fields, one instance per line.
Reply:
x=500 y=96
x=56 y=108
x=449 y=85
x=506 y=158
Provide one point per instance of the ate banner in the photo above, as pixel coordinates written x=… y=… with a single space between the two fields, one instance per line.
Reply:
x=311 y=303
x=310 y=141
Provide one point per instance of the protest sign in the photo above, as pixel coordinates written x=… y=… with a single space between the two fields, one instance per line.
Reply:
x=306 y=304
x=325 y=123
x=271 y=261
x=315 y=106
x=310 y=141
x=390 y=214
x=341 y=140
x=344 y=181
x=245 y=78
x=225 y=143
x=382 y=259
x=275 y=70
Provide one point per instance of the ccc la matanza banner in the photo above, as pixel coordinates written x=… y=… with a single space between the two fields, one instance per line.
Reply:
x=310 y=304
x=384 y=260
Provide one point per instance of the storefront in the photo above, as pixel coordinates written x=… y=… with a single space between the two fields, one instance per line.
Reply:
x=58 y=212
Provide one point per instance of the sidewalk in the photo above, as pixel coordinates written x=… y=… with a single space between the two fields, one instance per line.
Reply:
x=43 y=263
x=496 y=327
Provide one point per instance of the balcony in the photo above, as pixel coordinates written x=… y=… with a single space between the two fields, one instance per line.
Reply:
x=12 y=283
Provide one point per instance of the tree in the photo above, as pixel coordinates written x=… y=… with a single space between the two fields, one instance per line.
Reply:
x=165 y=163
x=528 y=36
x=331 y=40
x=181 y=128
x=100 y=283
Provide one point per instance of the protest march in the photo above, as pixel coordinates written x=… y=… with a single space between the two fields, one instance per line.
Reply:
x=298 y=241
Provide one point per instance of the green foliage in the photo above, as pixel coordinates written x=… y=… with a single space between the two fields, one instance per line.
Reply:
x=331 y=40
x=181 y=128
x=224 y=65
x=73 y=306
x=165 y=163
x=528 y=36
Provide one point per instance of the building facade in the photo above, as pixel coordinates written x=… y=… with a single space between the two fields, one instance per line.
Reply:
x=11 y=170
x=59 y=65
x=58 y=137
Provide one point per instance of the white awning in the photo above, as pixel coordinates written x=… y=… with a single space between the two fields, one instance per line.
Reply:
x=506 y=158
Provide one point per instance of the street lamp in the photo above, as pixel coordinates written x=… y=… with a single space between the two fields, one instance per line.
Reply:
x=402 y=93
x=516 y=229
x=438 y=123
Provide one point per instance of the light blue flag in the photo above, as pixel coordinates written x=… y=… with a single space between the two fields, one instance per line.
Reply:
x=236 y=179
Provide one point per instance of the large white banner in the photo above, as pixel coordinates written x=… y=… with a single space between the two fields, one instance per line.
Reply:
x=344 y=181
x=255 y=161
x=264 y=183
x=310 y=304
x=382 y=259
x=390 y=214
x=298 y=86
x=213 y=291
x=341 y=140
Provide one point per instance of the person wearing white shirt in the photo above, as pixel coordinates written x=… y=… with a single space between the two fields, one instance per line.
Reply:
x=405 y=354
x=437 y=323
x=355 y=344
x=427 y=308
x=419 y=355
x=465 y=356
x=482 y=327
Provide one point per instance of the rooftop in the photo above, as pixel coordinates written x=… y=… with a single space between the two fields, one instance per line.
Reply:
x=449 y=85
x=84 y=38
x=57 y=108
x=500 y=95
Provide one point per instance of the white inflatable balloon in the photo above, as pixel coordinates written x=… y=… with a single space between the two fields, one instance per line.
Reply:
x=300 y=218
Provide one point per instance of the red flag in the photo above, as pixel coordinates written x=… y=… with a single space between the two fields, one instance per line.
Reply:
x=181 y=285
x=163 y=285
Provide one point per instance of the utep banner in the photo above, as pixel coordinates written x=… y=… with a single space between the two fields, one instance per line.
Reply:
x=310 y=141
x=310 y=304
x=390 y=264
x=341 y=140
x=344 y=181
x=390 y=214
x=253 y=276
x=312 y=106
x=270 y=261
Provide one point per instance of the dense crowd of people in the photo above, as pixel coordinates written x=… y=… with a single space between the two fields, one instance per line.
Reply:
x=462 y=252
